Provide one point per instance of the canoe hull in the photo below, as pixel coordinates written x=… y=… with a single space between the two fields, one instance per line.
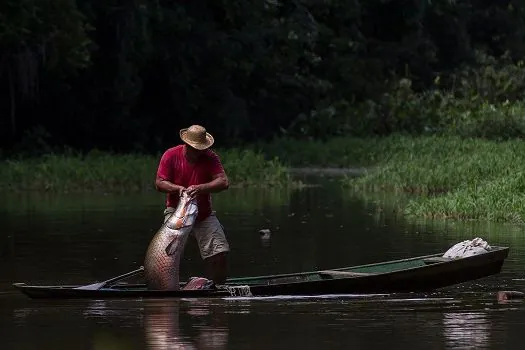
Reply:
x=423 y=280
x=418 y=274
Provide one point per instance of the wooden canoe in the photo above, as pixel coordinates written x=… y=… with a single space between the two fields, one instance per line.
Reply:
x=418 y=274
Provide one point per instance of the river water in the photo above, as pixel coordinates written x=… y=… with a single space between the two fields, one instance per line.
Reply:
x=69 y=239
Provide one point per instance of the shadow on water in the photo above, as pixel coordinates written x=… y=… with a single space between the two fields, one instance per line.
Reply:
x=47 y=239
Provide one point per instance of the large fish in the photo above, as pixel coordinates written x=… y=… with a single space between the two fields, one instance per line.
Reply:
x=162 y=261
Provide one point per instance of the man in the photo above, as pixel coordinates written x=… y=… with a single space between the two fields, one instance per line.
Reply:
x=193 y=167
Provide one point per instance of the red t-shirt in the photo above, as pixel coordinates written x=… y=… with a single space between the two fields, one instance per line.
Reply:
x=175 y=168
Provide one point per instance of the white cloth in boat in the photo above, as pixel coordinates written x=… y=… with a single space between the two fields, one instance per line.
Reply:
x=467 y=248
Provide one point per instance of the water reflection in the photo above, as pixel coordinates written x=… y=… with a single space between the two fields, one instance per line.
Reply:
x=466 y=330
x=163 y=329
x=167 y=323
x=161 y=326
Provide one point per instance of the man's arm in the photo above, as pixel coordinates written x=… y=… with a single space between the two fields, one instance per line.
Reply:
x=166 y=186
x=219 y=183
x=165 y=172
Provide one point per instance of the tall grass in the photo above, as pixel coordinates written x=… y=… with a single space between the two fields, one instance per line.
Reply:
x=100 y=171
x=499 y=200
x=456 y=178
x=248 y=167
x=78 y=173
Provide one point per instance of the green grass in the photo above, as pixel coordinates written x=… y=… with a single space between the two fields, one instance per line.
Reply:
x=501 y=199
x=248 y=167
x=453 y=178
x=99 y=171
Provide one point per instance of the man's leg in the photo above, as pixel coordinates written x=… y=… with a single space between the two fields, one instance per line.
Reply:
x=213 y=247
x=217 y=267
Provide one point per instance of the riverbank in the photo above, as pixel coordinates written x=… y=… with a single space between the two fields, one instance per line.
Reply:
x=446 y=177
x=450 y=177
x=105 y=172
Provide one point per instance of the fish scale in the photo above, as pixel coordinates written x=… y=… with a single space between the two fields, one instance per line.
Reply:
x=162 y=260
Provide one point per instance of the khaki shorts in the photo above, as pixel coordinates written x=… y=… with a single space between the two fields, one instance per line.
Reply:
x=208 y=233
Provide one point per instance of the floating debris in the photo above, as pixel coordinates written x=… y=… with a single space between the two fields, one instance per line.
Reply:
x=265 y=233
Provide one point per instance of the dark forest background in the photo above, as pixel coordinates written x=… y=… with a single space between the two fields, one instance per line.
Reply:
x=126 y=75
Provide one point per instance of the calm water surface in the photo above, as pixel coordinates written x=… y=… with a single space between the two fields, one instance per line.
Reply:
x=82 y=239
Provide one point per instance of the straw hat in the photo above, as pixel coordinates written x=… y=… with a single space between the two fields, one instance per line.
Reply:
x=197 y=137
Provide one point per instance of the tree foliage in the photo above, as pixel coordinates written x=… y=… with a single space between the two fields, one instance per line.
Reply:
x=127 y=75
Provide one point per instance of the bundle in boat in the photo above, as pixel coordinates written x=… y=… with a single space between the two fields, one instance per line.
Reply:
x=468 y=248
x=162 y=261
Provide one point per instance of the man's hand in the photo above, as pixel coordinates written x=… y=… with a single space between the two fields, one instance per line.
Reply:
x=219 y=183
x=178 y=190
x=193 y=190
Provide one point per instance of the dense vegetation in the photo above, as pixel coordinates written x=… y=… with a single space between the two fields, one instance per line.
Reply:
x=451 y=177
x=314 y=82
x=127 y=75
